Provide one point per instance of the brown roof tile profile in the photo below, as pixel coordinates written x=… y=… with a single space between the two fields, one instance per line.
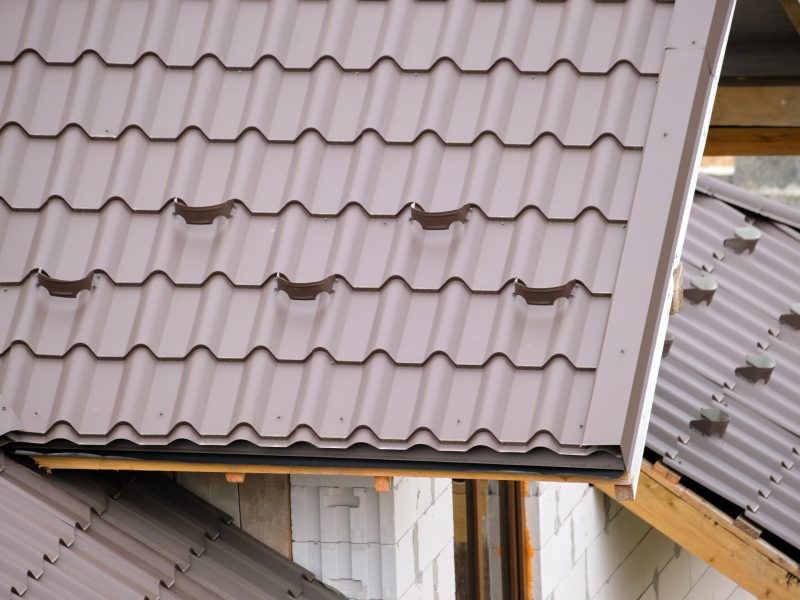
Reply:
x=738 y=354
x=88 y=535
x=430 y=232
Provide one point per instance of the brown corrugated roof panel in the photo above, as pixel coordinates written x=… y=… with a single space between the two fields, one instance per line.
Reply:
x=150 y=539
x=754 y=463
x=431 y=230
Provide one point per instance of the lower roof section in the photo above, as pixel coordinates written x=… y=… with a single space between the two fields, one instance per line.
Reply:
x=316 y=404
x=94 y=536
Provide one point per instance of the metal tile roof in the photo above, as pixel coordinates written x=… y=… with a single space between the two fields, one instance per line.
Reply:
x=559 y=138
x=754 y=463
x=87 y=536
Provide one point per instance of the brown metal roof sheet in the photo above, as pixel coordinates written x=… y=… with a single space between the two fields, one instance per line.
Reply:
x=154 y=401
x=498 y=181
x=754 y=463
x=367 y=253
x=568 y=129
x=148 y=538
x=351 y=325
x=475 y=35
x=340 y=105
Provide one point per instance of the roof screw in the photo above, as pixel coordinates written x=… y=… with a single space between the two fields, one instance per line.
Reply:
x=759 y=368
x=458 y=420
x=36 y=413
x=622 y=351
x=278 y=417
x=664 y=134
x=341 y=418
x=744 y=240
x=97 y=276
x=161 y=413
x=580 y=426
x=4 y=408
x=702 y=290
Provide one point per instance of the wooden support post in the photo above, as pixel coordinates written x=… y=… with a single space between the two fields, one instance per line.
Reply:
x=677 y=290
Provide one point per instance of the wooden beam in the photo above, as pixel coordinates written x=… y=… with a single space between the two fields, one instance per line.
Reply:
x=99 y=463
x=382 y=484
x=234 y=477
x=756 y=105
x=753 y=141
x=792 y=8
x=712 y=536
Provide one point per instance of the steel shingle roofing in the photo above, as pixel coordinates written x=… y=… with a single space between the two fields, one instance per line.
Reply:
x=568 y=128
x=754 y=463
x=99 y=536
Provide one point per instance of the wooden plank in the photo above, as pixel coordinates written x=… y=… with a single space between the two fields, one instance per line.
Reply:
x=756 y=106
x=382 y=484
x=100 y=463
x=265 y=508
x=753 y=141
x=749 y=528
x=212 y=488
x=792 y=8
x=711 y=535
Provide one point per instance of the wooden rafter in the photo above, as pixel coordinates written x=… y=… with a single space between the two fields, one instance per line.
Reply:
x=757 y=104
x=711 y=535
x=100 y=463
x=753 y=141
x=755 y=118
x=792 y=8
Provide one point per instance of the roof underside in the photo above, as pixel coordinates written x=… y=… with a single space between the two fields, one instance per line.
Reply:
x=754 y=464
x=97 y=536
x=567 y=131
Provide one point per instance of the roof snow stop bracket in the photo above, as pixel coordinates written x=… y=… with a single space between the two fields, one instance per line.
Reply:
x=202 y=215
x=304 y=291
x=543 y=296
x=64 y=288
x=438 y=220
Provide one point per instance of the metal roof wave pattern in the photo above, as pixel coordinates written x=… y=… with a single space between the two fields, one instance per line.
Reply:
x=499 y=181
x=561 y=134
x=474 y=35
x=351 y=325
x=366 y=252
x=339 y=105
x=283 y=403
x=99 y=536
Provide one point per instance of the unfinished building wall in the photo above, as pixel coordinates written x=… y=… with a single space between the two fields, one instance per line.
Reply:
x=394 y=545
x=586 y=546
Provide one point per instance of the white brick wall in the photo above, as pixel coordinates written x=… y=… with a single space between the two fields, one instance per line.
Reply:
x=396 y=545
x=587 y=547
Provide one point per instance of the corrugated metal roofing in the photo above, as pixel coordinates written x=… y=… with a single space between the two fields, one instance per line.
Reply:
x=92 y=536
x=755 y=462
x=562 y=135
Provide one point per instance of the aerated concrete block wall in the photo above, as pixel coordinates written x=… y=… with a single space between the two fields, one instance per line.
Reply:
x=586 y=546
x=395 y=545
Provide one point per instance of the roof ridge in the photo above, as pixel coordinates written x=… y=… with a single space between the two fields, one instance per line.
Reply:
x=749 y=201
